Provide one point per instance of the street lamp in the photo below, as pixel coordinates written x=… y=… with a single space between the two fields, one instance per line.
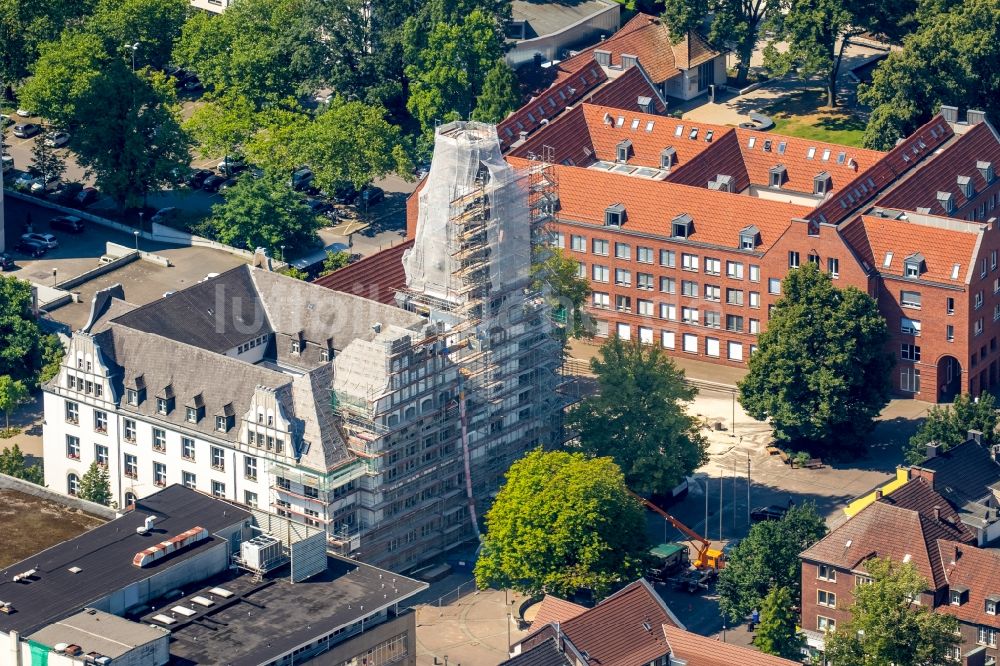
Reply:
x=133 y=48
x=54 y=272
x=136 y=234
x=282 y=252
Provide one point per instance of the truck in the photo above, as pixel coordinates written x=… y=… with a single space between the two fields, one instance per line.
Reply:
x=667 y=560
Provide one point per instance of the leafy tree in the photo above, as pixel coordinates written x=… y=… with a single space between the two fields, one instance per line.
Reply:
x=24 y=26
x=949 y=425
x=12 y=463
x=886 y=628
x=129 y=137
x=498 y=97
x=276 y=145
x=12 y=394
x=153 y=24
x=293 y=272
x=24 y=350
x=46 y=162
x=777 y=632
x=820 y=373
x=559 y=273
x=51 y=352
x=95 y=485
x=733 y=22
x=562 y=522
x=954 y=58
x=62 y=75
x=263 y=212
x=637 y=417
x=222 y=126
x=768 y=558
x=334 y=262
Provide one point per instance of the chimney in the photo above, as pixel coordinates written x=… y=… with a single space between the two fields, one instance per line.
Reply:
x=975 y=116
x=932 y=449
x=937 y=514
x=878 y=494
x=976 y=435
x=955 y=554
x=950 y=113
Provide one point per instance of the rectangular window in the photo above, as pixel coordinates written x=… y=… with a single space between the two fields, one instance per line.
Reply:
x=735 y=351
x=734 y=270
x=909 y=326
x=600 y=300
x=72 y=412
x=949 y=333
x=979 y=299
x=129 y=430
x=668 y=311
x=101 y=454
x=691 y=343
x=668 y=258
x=645 y=335
x=793 y=259
x=311 y=520
x=100 y=421
x=559 y=240
x=132 y=396
x=734 y=323
x=689 y=315
x=713 y=319
x=218 y=458
x=190 y=414
x=827 y=573
x=624 y=331
x=950 y=306
x=623 y=278
x=833 y=267
x=581 y=272
x=825 y=623
x=909 y=299
x=131 y=466
x=600 y=273
x=187 y=448
x=250 y=498
x=828 y=599
x=712 y=347
x=644 y=281
x=909 y=379
x=713 y=292
x=72 y=447
x=991 y=607
x=160 y=474
x=987 y=636
x=755 y=299
x=909 y=352
x=689 y=262
x=977 y=327
x=623 y=251
x=250 y=467
x=668 y=285
x=689 y=288
x=218 y=489
x=161 y=405
x=159 y=440
x=734 y=296
x=623 y=303
x=645 y=307
x=578 y=243
x=712 y=266
x=600 y=247
x=755 y=326
x=774 y=285
x=644 y=254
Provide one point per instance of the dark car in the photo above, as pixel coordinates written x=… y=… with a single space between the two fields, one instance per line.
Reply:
x=6 y=262
x=345 y=194
x=228 y=183
x=26 y=130
x=193 y=85
x=70 y=223
x=67 y=193
x=763 y=513
x=371 y=195
x=213 y=183
x=86 y=196
x=319 y=206
x=197 y=178
x=31 y=248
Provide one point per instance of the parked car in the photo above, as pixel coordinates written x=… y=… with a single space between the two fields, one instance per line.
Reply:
x=229 y=183
x=31 y=248
x=164 y=215
x=301 y=179
x=86 y=196
x=48 y=240
x=319 y=206
x=763 y=513
x=231 y=165
x=56 y=139
x=6 y=262
x=49 y=184
x=24 y=113
x=70 y=223
x=8 y=163
x=212 y=183
x=372 y=195
x=345 y=194
x=197 y=178
x=67 y=193
x=26 y=130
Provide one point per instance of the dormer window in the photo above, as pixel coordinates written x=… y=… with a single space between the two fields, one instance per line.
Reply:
x=132 y=397
x=682 y=226
x=821 y=183
x=992 y=602
x=190 y=414
x=965 y=184
x=614 y=216
x=629 y=60
x=985 y=170
x=295 y=346
x=947 y=201
x=722 y=183
x=227 y=419
x=748 y=238
x=624 y=150
x=668 y=157
x=196 y=411
x=913 y=265
x=603 y=58
x=165 y=401
x=777 y=175
x=958 y=595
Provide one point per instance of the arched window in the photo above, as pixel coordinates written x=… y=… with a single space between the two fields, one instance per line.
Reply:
x=73 y=484
x=130 y=500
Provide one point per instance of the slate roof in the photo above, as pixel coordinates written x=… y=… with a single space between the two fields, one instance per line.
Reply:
x=900 y=526
x=963 y=475
x=977 y=569
x=554 y=609
x=942 y=246
x=698 y=650
x=377 y=277
x=546 y=653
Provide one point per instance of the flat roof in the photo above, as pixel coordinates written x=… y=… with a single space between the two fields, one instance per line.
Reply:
x=547 y=18
x=26 y=533
x=100 y=632
x=104 y=557
x=260 y=621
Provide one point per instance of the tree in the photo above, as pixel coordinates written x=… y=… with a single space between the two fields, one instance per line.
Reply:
x=24 y=26
x=12 y=463
x=733 y=22
x=637 y=417
x=768 y=558
x=263 y=212
x=498 y=96
x=295 y=273
x=62 y=75
x=12 y=394
x=887 y=628
x=152 y=24
x=334 y=262
x=46 y=162
x=561 y=522
x=777 y=632
x=559 y=274
x=953 y=58
x=95 y=485
x=222 y=126
x=949 y=425
x=820 y=372
x=24 y=350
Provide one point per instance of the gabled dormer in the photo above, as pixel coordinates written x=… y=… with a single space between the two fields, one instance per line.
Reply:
x=947 y=202
x=822 y=182
x=985 y=170
x=913 y=265
x=966 y=186
x=614 y=215
x=194 y=411
x=623 y=151
x=682 y=226
x=777 y=175
x=749 y=238
x=668 y=157
x=135 y=391
x=165 y=400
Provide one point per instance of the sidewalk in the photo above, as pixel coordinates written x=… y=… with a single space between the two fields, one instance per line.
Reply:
x=28 y=417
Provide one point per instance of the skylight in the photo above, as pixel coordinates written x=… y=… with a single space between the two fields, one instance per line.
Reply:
x=694 y=133
x=826 y=154
x=811 y=153
x=635 y=124
x=781 y=147
x=649 y=126
x=888 y=259
x=751 y=142
x=679 y=131
x=620 y=121
x=841 y=157
x=954 y=272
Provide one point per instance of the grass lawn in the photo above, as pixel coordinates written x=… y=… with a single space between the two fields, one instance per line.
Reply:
x=804 y=115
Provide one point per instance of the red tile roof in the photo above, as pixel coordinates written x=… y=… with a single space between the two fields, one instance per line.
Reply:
x=568 y=138
x=650 y=206
x=377 y=277
x=649 y=39
x=722 y=157
x=624 y=92
x=554 y=609
x=942 y=247
x=942 y=172
x=900 y=526
x=698 y=650
x=884 y=173
x=977 y=569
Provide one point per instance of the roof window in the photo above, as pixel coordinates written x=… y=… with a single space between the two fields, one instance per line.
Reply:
x=614 y=215
x=620 y=121
x=954 y=271
x=668 y=157
x=888 y=259
x=635 y=124
x=781 y=147
x=947 y=201
x=623 y=150
x=682 y=226
x=811 y=153
x=985 y=170
x=709 y=135
x=958 y=595
x=694 y=133
x=841 y=157
x=913 y=265
x=965 y=184
x=767 y=146
x=749 y=238
x=649 y=125
x=679 y=130
x=751 y=142
x=778 y=174
x=826 y=155
x=821 y=183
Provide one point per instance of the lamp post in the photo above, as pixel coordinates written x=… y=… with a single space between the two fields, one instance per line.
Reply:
x=136 y=234
x=133 y=48
x=55 y=271
x=282 y=252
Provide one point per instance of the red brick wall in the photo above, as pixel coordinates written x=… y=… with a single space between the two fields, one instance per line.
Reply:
x=811 y=584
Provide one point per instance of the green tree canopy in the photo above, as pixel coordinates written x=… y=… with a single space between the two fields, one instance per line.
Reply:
x=26 y=354
x=949 y=425
x=558 y=273
x=95 y=485
x=62 y=75
x=334 y=262
x=886 y=628
x=498 y=96
x=12 y=463
x=820 y=373
x=637 y=417
x=46 y=162
x=263 y=212
x=153 y=24
x=25 y=25
x=767 y=558
x=562 y=522
x=222 y=126
x=778 y=632
x=12 y=394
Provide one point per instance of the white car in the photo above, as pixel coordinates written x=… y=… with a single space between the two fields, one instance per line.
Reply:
x=48 y=240
x=8 y=162
x=24 y=113
x=57 y=139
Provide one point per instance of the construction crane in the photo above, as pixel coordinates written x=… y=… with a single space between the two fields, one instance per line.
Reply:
x=708 y=558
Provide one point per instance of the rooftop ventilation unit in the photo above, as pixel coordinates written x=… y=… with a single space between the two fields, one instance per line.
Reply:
x=261 y=552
